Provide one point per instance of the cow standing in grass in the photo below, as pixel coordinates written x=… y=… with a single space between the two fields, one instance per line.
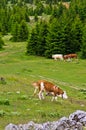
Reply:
x=70 y=56
x=48 y=87
x=57 y=56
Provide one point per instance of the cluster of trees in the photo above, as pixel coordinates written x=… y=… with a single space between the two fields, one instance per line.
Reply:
x=63 y=32
x=14 y=16
x=34 y=1
x=12 y=12
x=20 y=31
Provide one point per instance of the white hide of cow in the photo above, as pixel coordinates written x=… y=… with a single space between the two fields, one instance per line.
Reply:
x=57 y=56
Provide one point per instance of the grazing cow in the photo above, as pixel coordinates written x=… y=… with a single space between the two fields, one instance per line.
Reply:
x=48 y=87
x=70 y=56
x=57 y=56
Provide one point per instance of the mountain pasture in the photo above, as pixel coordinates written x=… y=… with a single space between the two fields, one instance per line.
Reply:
x=17 y=103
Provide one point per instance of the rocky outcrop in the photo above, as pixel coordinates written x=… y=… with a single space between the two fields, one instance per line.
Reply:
x=76 y=121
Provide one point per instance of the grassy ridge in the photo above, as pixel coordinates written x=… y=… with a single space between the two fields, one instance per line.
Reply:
x=17 y=104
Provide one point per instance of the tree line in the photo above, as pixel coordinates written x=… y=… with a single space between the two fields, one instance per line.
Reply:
x=63 y=32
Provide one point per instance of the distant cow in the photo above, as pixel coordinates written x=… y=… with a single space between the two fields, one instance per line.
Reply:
x=57 y=56
x=48 y=87
x=70 y=56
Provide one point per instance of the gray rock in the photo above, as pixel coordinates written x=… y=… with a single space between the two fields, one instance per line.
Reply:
x=76 y=121
x=11 y=127
x=78 y=116
x=50 y=125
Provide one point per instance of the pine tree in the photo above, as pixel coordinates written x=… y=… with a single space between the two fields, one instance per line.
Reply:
x=37 y=40
x=42 y=33
x=15 y=31
x=32 y=43
x=76 y=35
x=55 y=39
x=39 y=8
x=73 y=35
x=23 y=31
x=83 y=47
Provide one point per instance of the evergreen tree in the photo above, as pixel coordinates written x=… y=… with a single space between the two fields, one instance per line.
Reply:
x=55 y=39
x=4 y=21
x=32 y=43
x=76 y=35
x=15 y=31
x=23 y=31
x=48 y=9
x=39 y=8
x=37 y=40
x=83 y=47
x=42 y=33
x=20 y=31
x=73 y=35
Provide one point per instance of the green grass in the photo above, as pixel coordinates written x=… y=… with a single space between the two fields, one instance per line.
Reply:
x=17 y=103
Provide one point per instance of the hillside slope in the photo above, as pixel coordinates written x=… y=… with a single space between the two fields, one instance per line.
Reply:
x=17 y=103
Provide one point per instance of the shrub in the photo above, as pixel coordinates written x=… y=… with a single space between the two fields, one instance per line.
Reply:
x=2 y=113
x=4 y=102
x=1 y=42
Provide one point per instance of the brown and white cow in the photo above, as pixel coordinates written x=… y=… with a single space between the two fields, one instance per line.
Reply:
x=70 y=56
x=48 y=87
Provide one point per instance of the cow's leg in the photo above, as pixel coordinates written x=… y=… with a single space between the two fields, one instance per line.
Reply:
x=41 y=96
x=54 y=98
x=55 y=58
x=35 y=91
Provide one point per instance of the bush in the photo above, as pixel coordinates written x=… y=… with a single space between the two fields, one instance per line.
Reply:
x=4 y=102
x=2 y=113
x=1 y=42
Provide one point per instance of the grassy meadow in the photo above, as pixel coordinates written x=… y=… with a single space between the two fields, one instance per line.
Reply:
x=17 y=103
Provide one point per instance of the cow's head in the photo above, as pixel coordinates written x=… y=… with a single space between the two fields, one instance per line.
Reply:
x=64 y=95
